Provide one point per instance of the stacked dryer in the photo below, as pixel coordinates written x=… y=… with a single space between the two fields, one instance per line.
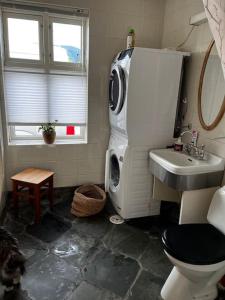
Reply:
x=143 y=96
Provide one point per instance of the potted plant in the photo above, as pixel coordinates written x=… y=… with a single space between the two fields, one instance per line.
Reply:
x=48 y=132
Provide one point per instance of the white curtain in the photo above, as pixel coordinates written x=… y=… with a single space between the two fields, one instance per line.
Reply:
x=215 y=12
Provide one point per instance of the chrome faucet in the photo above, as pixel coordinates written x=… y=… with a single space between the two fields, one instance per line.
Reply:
x=186 y=131
x=192 y=148
x=201 y=152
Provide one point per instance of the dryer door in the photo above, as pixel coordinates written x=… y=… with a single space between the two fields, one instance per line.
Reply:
x=117 y=89
x=114 y=172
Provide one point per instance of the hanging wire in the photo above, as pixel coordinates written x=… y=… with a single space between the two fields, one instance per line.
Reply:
x=187 y=37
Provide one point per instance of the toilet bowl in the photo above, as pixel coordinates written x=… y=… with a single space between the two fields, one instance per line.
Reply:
x=197 y=252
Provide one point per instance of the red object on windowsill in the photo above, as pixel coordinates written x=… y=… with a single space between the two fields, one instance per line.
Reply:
x=70 y=130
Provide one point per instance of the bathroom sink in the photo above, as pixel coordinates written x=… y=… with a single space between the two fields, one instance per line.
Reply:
x=183 y=172
x=183 y=164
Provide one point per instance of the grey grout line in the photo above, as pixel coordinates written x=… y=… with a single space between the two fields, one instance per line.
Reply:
x=129 y=292
x=138 y=260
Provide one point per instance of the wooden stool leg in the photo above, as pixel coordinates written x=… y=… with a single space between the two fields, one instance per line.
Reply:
x=37 y=203
x=15 y=197
x=50 y=192
x=31 y=195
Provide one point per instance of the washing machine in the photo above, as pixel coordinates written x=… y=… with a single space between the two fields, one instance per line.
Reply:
x=128 y=179
x=144 y=89
x=118 y=86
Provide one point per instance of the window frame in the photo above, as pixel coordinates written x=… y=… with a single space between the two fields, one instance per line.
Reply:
x=78 y=67
x=13 y=138
x=10 y=61
x=45 y=63
x=45 y=20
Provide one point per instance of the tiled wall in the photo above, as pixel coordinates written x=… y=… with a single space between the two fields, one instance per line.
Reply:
x=109 y=22
x=176 y=28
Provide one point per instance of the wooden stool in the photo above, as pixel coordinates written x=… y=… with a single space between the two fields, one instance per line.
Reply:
x=33 y=179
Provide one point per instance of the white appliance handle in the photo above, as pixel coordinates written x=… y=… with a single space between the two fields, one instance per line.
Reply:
x=107 y=170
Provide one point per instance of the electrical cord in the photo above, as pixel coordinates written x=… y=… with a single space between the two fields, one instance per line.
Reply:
x=187 y=38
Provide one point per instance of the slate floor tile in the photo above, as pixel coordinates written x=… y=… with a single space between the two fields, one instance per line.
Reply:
x=86 y=291
x=62 y=245
x=52 y=279
x=127 y=240
x=147 y=287
x=33 y=249
x=154 y=225
x=117 y=234
x=63 y=209
x=76 y=249
x=49 y=229
x=65 y=193
x=16 y=294
x=12 y=225
x=95 y=226
x=154 y=259
x=221 y=295
x=25 y=213
x=113 y=272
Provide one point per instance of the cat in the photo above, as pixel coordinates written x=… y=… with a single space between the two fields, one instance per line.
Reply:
x=12 y=261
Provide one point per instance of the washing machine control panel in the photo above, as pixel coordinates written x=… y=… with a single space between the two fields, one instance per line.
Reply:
x=123 y=54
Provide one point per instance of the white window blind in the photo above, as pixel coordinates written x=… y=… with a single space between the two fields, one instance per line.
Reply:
x=41 y=98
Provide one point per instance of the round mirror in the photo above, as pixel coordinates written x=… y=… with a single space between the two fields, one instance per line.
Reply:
x=211 y=100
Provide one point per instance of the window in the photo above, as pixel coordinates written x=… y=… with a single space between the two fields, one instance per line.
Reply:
x=45 y=74
x=66 y=43
x=23 y=39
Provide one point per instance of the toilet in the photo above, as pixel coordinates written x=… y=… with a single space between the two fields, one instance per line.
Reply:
x=197 y=252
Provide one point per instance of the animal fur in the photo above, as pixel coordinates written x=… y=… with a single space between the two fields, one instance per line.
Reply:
x=12 y=261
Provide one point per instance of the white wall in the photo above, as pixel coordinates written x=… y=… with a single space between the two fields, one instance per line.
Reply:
x=176 y=28
x=109 y=22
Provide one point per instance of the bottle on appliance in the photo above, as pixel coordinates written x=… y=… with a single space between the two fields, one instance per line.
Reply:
x=131 y=38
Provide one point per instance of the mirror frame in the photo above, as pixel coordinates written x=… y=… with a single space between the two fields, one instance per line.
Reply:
x=222 y=109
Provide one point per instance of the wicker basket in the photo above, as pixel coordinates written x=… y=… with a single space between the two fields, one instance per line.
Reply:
x=88 y=200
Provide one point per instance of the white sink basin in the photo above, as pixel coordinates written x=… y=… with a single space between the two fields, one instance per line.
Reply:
x=182 y=164
x=183 y=172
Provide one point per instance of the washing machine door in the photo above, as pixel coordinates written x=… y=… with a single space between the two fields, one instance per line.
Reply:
x=114 y=167
x=117 y=89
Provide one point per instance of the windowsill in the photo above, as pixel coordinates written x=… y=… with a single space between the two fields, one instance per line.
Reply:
x=42 y=143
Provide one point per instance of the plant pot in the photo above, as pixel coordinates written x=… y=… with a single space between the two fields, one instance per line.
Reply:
x=49 y=137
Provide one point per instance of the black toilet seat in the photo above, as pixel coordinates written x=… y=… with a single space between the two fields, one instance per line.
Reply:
x=197 y=244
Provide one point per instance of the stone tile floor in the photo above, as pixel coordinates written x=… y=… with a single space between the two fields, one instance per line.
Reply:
x=71 y=258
